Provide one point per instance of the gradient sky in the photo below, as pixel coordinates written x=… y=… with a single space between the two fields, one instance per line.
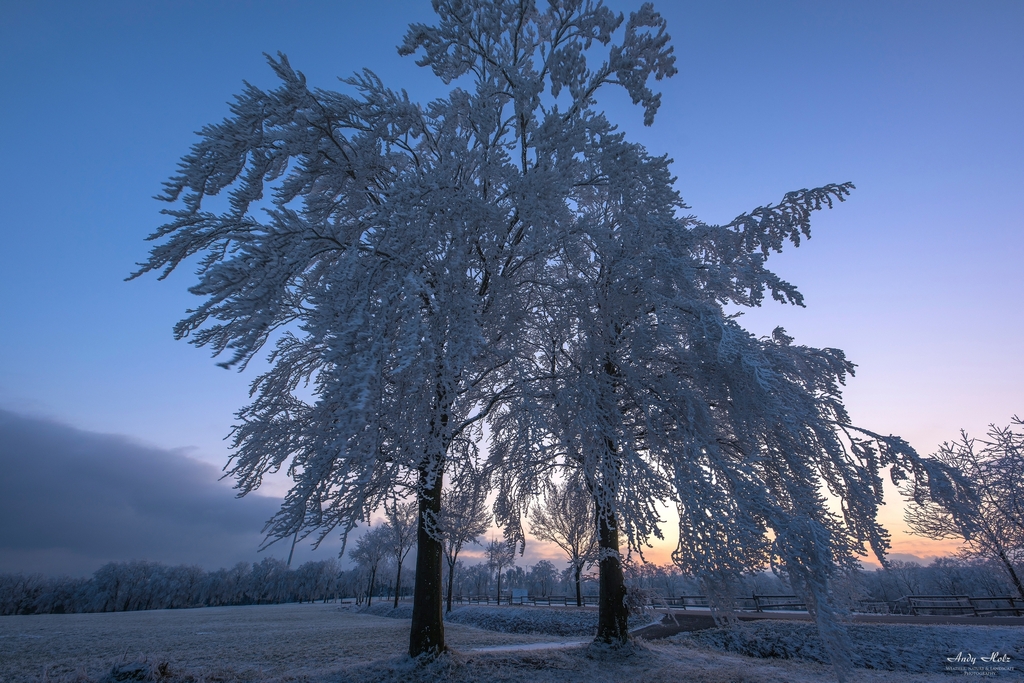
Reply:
x=918 y=276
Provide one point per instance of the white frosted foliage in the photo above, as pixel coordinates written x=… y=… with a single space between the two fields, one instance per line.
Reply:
x=505 y=255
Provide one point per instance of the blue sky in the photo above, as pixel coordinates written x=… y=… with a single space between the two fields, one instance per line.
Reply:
x=918 y=276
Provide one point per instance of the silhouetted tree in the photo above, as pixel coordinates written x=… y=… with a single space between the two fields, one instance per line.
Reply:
x=464 y=518
x=370 y=551
x=395 y=260
x=994 y=527
x=565 y=517
x=401 y=526
x=500 y=554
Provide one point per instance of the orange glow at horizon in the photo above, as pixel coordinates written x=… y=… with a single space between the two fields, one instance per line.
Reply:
x=890 y=515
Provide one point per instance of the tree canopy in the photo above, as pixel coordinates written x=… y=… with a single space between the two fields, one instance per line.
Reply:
x=393 y=260
x=504 y=254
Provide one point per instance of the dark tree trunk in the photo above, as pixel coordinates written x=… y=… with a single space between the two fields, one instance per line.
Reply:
x=451 y=582
x=612 y=613
x=369 y=593
x=398 y=582
x=427 y=635
x=579 y=591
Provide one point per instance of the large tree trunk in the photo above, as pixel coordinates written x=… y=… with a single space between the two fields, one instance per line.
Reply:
x=579 y=591
x=427 y=635
x=612 y=613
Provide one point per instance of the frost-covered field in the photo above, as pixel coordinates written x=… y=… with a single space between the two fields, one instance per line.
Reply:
x=527 y=620
x=278 y=643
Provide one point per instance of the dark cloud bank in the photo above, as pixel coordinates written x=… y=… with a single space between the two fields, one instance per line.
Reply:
x=72 y=500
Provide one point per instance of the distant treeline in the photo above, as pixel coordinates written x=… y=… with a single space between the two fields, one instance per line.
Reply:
x=140 y=585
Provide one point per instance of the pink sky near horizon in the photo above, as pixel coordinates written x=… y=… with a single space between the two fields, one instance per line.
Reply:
x=905 y=546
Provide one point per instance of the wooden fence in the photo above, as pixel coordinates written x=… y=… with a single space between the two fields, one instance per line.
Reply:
x=545 y=600
x=940 y=605
x=964 y=605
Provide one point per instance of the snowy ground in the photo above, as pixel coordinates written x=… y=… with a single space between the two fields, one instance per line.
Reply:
x=279 y=643
x=553 y=621
x=887 y=647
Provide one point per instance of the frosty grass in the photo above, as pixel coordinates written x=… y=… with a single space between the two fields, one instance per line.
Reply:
x=526 y=620
x=324 y=644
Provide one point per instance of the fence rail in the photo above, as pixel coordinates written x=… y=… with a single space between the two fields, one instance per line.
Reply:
x=547 y=600
x=1004 y=606
x=941 y=605
x=919 y=605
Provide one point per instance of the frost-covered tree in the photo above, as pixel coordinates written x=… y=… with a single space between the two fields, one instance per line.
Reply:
x=506 y=249
x=371 y=549
x=500 y=554
x=565 y=517
x=386 y=250
x=464 y=518
x=994 y=528
x=479 y=577
x=656 y=394
x=644 y=384
x=401 y=526
x=542 y=577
